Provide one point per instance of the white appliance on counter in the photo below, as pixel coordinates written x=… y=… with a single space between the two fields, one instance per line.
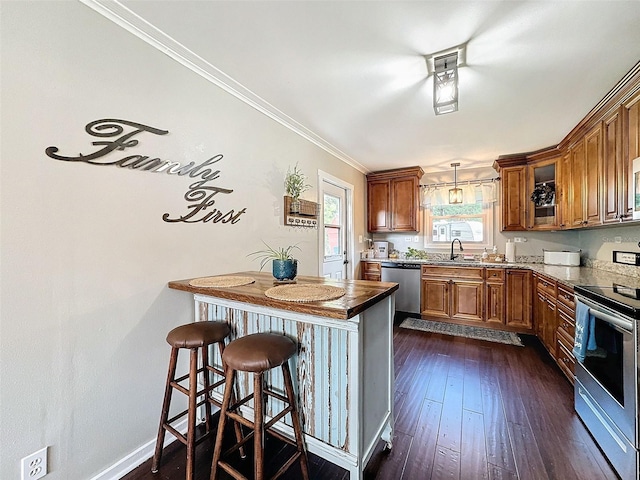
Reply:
x=381 y=249
x=564 y=258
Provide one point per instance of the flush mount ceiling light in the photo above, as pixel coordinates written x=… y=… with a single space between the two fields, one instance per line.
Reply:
x=444 y=68
x=445 y=84
x=455 y=193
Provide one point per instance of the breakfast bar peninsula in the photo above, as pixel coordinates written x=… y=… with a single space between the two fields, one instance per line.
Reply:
x=343 y=371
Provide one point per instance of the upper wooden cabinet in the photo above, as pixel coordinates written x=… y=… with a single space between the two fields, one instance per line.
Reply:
x=592 y=175
x=585 y=186
x=543 y=174
x=514 y=213
x=613 y=187
x=592 y=166
x=519 y=177
x=631 y=147
x=392 y=200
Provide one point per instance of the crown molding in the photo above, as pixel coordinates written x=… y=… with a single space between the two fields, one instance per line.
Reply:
x=133 y=23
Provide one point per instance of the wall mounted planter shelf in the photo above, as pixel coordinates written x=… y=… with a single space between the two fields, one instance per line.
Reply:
x=306 y=216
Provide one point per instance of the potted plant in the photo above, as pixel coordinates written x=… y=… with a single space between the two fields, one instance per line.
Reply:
x=295 y=184
x=284 y=265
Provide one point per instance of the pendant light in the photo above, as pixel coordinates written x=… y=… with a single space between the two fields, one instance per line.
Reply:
x=455 y=193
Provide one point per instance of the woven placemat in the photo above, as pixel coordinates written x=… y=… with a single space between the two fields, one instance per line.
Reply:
x=305 y=293
x=222 y=281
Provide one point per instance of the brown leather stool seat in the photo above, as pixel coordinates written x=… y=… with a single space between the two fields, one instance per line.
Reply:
x=196 y=337
x=199 y=334
x=257 y=354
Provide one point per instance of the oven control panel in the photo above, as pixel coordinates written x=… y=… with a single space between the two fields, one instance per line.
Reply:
x=628 y=258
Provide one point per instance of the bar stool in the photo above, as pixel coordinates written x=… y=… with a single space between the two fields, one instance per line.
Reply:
x=257 y=354
x=195 y=337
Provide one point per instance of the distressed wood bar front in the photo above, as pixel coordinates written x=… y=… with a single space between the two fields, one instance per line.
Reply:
x=343 y=372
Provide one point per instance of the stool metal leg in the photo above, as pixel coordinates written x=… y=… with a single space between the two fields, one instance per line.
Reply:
x=166 y=403
x=297 y=429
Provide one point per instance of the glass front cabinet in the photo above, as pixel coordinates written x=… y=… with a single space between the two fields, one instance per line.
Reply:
x=542 y=195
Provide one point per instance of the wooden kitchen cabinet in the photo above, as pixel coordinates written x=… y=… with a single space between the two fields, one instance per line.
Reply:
x=541 y=173
x=434 y=298
x=518 y=299
x=545 y=312
x=594 y=167
x=519 y=177
x=631 y=148
x=467 y=299
x=514 y=184
x=495 y=297
x=613 y=172
x=392 y=200
x=371 y=271
x=453 y=292
x=585 y=192
x=565 y=333
x=592 y=175
x=576 y=187
x=563 y=190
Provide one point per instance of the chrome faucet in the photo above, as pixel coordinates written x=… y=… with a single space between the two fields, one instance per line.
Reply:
x=453 y=257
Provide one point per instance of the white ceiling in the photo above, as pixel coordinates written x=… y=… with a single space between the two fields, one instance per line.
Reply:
x=354 y=74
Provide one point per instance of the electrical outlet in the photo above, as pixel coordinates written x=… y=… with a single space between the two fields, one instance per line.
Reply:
x=407 y=239
x=34 y=466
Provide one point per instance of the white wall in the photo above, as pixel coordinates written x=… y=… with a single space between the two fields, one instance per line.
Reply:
x=85 y=254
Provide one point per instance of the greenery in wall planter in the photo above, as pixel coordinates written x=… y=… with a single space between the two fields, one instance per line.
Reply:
x=284 y=265
x=295 y=184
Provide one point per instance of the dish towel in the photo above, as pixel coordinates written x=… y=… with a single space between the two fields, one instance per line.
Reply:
x=585 y=338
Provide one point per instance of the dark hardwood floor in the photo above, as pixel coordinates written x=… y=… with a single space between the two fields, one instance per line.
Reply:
x=464 y=409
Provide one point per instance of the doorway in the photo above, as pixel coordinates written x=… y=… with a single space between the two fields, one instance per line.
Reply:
x=335 y=227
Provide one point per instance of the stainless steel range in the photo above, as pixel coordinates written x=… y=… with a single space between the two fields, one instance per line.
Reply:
x=606 y=387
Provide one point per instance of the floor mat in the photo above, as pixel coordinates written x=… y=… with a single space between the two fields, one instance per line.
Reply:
x=462 y=331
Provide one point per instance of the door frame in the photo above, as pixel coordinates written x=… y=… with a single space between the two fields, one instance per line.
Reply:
x=350 y=239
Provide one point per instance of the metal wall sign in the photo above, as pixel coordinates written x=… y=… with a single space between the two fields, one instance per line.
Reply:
x=119 y=135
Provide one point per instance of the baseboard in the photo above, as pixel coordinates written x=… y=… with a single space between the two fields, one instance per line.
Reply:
x=137 y=457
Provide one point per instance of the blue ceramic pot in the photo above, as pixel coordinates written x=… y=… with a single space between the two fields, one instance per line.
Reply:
x=285 y=269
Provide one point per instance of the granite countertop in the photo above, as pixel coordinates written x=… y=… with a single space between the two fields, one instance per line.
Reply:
x=570 y=276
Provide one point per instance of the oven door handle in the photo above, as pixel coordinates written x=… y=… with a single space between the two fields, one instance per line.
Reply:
x=594 y=310
x=614 y=321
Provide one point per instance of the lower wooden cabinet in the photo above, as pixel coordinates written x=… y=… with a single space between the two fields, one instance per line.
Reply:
x=434 y=299
x=492 y=297
x=504 y=299
x=371 y=271
x=544 y=311
x=565 y=333
x=453 y=293
x=495 y=297
x=518 y=299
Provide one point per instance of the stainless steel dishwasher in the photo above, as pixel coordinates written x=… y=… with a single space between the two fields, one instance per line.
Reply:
x=408 y=276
